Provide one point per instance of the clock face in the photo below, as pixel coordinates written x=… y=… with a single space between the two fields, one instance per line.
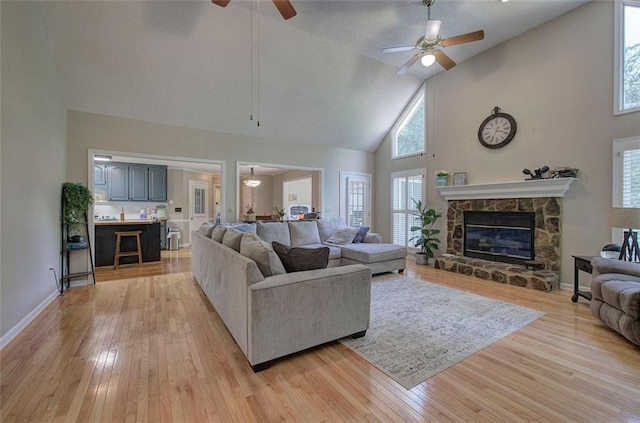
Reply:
x=497 y=130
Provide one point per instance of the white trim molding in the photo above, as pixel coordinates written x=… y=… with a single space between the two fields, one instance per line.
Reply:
x=521 y=189
x=22 y=324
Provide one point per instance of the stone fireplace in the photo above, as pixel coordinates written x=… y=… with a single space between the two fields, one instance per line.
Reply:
x=540 y=201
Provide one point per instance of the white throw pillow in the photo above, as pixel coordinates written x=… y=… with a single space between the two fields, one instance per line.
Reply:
x=343 y=235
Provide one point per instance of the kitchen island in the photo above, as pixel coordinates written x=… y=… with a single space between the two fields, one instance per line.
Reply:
x=106 y=241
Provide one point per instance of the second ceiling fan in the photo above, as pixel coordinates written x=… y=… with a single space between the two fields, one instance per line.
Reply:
x=430 y=44
x=284 y=7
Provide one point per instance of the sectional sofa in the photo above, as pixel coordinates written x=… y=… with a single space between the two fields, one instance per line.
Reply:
x=270 y=313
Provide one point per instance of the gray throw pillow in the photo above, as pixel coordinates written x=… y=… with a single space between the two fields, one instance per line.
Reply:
x=297 y=259
x=361 y=234
x=206 y=228
x=232 y=239
x=218 y=233
x=251 y=246
x=343 y=235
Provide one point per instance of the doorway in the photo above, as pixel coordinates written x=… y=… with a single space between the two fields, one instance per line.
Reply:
x=355 y=198
x=198 y=204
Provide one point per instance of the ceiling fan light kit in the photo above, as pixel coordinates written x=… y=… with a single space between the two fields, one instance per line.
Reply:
x=431 y=43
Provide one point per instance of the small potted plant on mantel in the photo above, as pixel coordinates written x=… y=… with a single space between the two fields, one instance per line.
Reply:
x=425 y=238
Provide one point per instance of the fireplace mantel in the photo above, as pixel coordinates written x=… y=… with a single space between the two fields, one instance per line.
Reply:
x=522 y=189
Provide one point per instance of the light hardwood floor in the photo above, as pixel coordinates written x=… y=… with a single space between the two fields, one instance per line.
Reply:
x=151 y=348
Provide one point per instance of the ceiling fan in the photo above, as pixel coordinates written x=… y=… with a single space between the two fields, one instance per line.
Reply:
x=284 y=7
x=431 y=43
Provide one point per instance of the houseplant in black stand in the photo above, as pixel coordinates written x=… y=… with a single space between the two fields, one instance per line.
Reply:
x=76 y=200
x=425 y=235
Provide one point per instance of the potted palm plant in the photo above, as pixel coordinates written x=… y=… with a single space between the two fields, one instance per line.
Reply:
x=425 y=235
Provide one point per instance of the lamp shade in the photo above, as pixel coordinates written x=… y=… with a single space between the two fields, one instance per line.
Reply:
x=624 y=217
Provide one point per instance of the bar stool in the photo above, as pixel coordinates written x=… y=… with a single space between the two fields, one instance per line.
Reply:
x=137 y=252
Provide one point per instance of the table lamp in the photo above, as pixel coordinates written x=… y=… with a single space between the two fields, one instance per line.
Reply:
x=627 y=218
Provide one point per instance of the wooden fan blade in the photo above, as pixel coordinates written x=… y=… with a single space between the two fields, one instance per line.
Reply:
x=221 y=3
x=464 y=38
x=410 y=63
x=444 y=60
x=285 y=8
x=396 y=49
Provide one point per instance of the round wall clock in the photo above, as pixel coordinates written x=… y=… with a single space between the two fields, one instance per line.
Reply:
x=497 y=130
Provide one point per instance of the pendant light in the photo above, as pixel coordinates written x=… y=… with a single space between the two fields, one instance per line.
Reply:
x=252 y=181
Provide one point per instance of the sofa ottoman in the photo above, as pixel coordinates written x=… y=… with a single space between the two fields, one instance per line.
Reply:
x=379 y=258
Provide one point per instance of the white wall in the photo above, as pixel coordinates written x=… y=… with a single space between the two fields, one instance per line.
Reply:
x=557 y=81
x=93 y=131
x=33 y=166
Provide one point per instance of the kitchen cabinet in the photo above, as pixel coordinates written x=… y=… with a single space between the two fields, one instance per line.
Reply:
x=118 y=182
x=130 y=182
x=100 y=174
x=157 y=183
x=138 y=183
x=106 y=242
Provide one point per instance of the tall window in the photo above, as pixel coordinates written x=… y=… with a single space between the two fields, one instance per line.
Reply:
x=626 y=167
x=408 y=134
x=405 y=186
x=627 y=56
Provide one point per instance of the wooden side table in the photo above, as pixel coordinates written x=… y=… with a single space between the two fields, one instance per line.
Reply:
x=580 y=263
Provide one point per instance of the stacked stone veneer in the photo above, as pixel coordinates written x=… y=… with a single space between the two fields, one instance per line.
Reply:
x=547 y=236
x=512 y=274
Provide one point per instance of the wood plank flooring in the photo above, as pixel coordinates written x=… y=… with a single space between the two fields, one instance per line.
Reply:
x=150 y=347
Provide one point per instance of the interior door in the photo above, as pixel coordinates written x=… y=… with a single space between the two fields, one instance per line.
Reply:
x=355 y=198
x=198 y=204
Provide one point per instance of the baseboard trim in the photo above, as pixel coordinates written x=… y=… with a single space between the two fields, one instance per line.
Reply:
x=569 y=287
x=15 y=331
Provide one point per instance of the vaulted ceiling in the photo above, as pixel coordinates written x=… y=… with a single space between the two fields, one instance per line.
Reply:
x=318 y=78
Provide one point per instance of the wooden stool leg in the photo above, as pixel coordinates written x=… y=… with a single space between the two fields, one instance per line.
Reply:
x=116 y=260
x=139 y=250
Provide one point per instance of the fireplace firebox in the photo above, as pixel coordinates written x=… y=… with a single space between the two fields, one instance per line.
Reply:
x=499 y=236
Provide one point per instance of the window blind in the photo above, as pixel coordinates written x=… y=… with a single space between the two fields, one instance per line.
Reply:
x=405 y=186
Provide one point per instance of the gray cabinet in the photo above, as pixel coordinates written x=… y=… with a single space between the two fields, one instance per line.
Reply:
x=138 y=182
x=118 y=182
x=131 y=181
x=100 y=174
x=157 y=183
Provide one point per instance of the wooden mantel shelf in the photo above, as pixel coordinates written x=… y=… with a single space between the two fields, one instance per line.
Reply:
x=521 y=189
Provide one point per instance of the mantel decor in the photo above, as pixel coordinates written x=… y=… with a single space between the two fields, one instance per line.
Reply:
x=522 y=189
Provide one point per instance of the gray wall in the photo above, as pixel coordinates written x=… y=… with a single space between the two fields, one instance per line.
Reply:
x=32 y=165
x=93 y=131
x=557 y=81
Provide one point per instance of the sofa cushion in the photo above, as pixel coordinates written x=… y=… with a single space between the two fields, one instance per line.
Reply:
x=361 y=234
x=274 y=231
x=217 y=234
x=232 y=239
x=327 y=227
x=298 y=259
x=343 y=235
x=304 y=233
x=260 y=251
x=372 y=253
x=206 y=228
x=334 y=251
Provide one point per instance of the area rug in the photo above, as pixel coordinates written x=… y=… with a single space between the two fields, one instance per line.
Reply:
x=419 y=329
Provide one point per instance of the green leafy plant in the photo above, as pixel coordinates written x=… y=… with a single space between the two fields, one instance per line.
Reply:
x=278 y=211
x=77 y=199
x=425 y=235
